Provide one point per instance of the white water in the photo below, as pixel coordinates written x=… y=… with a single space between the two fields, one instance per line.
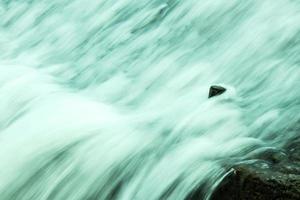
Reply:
x=107 y=99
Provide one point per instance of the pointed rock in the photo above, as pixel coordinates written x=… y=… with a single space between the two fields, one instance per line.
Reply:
x=216 y=90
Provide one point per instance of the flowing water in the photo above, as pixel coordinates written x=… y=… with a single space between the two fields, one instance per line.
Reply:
x=107 y=99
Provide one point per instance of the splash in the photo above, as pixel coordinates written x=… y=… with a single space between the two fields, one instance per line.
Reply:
x=108 y=99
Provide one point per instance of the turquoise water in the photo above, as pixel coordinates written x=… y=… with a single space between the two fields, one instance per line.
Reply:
x=107 y=99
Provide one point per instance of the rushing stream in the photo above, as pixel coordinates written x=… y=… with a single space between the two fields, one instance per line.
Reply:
x=108 y=99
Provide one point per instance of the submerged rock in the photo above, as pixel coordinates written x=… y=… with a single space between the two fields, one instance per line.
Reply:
x=249 y=181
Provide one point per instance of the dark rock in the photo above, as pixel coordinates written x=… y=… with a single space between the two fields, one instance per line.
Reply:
x=253 y=180
x=216 y=90
x=248 y=182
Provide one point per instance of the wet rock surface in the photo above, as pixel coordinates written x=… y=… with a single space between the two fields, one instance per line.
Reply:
x=273 y=175
x=216 y=90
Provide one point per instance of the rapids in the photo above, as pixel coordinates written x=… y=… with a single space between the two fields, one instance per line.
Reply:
x=108 y=99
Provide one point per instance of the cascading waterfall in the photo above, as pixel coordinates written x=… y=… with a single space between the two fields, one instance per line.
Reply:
x=107 y=99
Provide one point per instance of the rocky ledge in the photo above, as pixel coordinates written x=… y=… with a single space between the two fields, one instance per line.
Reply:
x=273 y=175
